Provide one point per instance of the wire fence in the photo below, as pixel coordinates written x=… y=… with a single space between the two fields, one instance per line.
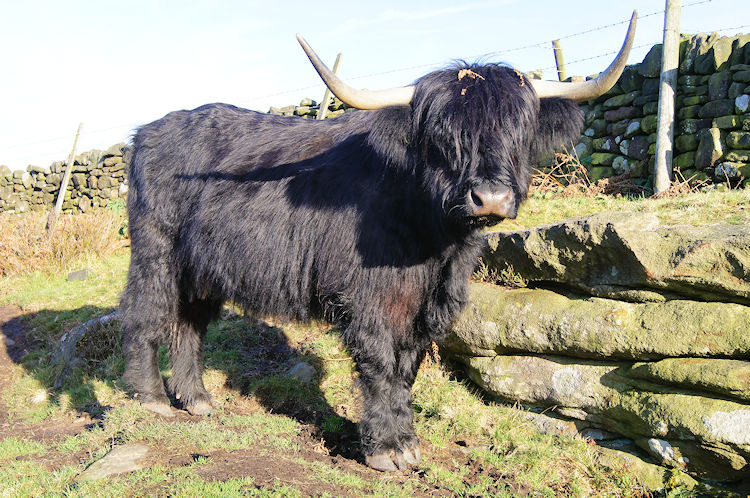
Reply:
x=546 y=44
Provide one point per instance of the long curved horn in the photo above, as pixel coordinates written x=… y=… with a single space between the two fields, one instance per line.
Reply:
x=587 y=90
x=361 y=99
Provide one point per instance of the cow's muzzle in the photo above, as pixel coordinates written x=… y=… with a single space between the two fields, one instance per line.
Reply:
x=492 y=200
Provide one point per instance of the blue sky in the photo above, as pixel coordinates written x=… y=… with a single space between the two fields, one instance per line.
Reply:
x=116 y=65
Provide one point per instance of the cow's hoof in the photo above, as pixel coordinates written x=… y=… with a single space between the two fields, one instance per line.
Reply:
x=159 y=408
x=412 y=454
x=389 y=461
x=200 y=407
x=381 y=461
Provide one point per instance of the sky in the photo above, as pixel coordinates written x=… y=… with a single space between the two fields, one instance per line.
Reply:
x=115 y=65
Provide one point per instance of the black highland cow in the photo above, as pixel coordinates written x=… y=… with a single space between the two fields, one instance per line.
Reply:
x=371 y=220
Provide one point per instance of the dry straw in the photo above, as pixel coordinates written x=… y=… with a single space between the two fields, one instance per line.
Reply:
x=26 y=246
x=569 y=178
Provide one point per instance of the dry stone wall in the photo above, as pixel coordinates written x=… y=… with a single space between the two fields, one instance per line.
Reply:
x=309 y=109
x=712 y=128
x=638 y=330
x=98 y=178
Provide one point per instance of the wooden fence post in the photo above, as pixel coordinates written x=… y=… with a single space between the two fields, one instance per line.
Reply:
x=670 y=60
x=64 y=183
x=323 y=109
x=562 y=73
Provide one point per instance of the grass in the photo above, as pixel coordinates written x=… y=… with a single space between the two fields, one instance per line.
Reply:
x=12 y=448
x=473 y=446
x=730 y=206
x=73 y=240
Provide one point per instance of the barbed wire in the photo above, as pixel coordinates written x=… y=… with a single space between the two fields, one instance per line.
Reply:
x=541 y=45
x=729 y=29
x=585 y=59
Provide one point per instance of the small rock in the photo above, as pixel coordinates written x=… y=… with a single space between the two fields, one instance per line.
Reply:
x=633 y=128
x=302 y=371
x=120 y=460
x=78 y=275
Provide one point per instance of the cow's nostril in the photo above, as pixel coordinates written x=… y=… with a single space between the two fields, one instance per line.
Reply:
x=491 y=200
x=476 y=199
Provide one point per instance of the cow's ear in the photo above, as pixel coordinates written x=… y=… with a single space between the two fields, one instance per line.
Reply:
x=560 y=124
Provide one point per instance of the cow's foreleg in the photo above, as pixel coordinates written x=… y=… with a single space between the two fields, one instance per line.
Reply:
x=386 y=429
x=378 y=427
x=409 y=360
x=186 y=355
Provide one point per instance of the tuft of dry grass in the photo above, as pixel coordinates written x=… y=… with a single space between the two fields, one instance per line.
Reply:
x=26 y=246
x=569 y=178
x=681 y=186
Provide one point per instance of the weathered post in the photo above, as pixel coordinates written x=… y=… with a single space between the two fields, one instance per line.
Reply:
x=323 y=110
x=669 y=63
x=562 y=74
x=64 y=183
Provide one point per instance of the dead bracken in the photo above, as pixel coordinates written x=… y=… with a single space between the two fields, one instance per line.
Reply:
x=462 y=73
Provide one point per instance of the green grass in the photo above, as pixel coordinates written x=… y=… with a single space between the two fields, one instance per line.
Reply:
x=11 y=448
x=732 y=207
x=472 y=445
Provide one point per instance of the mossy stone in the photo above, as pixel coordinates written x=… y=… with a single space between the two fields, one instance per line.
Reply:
x=716 y=58
x=727 y=122
x=738 y=140
x=685 y=143
x=630 y=250
x=717 y=108
x=649 y=124
x=650 y=108
x=742 y=76
x=688 y=112
x=688 y=126
x=545 y=322
x=717 y=375
x=684 y=160
x=599 y=172
x=621 y=100
x=718 y=85
x=739 y=156
x=705 y=435
x=602 y=159
x=710 y=149
x=694 y=100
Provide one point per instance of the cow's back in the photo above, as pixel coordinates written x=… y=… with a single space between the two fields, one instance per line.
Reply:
x=249 y=208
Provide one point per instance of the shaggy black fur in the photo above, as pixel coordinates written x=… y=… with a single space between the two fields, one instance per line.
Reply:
x=360 y=219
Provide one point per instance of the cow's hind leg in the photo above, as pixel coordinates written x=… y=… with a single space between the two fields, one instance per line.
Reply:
x=148 y=309
x=186 y=355
x=144 y=329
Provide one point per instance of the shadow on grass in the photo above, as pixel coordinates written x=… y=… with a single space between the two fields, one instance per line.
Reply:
x=257 y=358
x=254 y=355
x=30 y=340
